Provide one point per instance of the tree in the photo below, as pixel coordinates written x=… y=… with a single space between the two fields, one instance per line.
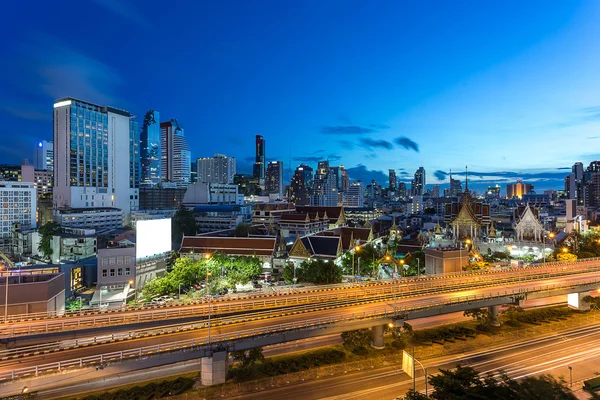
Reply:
x=566 y=257
x=481 y=315
x=247 y=358
x=183 y=223
x=357 y=339
x=242 y=230
x=464 y=383
x=319 y=271
x=47 y=231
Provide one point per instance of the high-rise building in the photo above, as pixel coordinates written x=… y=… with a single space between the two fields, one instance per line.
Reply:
x=578 y=173
x=571 y=187
x=419 y=182
x=435 y=192
x=344 y=179
x=518 y=189
x=20 y=204
x=455 y=186
x=325 y=186
x=134 y=152
x=92 y=153
x=355 y=195
x=401 y=190
x=335 y=171
x=150 y=154
x=301 y=185
x=392 y=179
x=193 y=172
x=493 y=192
x=44 y=156
x=216 y=169
x=274 y=178
x=590 y=185
x=259 y=169
x=175 y=154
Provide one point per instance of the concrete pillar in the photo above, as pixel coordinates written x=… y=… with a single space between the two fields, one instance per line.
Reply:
x=214 y=369
x=377 y=332
x=575 y=301
x=494 y=320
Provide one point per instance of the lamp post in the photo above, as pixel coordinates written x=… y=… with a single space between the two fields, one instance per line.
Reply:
x=571 y=375
x=79 y=298
x=6 y=295
x=551 y=236
x=414 y=374
x=179 y=291
x=356 y=249
x=207 y=257
x=402 y=266
x=134 y=291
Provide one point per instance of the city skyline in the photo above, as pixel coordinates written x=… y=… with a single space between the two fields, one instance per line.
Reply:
x=490 y=89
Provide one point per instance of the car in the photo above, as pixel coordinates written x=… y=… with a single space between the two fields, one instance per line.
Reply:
x=158 y=301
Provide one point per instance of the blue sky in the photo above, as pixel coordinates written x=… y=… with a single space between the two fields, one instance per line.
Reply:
x=510 y=88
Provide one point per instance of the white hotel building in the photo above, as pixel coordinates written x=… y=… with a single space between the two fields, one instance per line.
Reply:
x=93 y=157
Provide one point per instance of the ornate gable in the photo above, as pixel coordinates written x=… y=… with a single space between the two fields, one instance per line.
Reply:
x=466 y=216
x=299 y=250
x=341 y=221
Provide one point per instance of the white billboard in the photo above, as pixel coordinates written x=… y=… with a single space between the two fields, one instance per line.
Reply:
x=152 y=237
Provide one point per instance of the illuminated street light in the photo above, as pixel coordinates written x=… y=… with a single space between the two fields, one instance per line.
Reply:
x=391 y=325
x=565 y=250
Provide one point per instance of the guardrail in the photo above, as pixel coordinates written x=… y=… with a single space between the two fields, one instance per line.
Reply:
x=402 y=288
x=284 y=292
x=386 y=312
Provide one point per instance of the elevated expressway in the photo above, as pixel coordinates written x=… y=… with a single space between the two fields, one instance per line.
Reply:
x=182 y=332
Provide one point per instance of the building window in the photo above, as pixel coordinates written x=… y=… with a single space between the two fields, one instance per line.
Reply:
x=112 y=272
x=127 y=271
x=104 y=261
x=120 y=271
x=104 y=274
x=120 y=260
x=112 y=261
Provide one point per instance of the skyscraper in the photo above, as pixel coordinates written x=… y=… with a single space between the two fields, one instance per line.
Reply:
x=518 y=189
x=93 y=159
x=455 y=186
x=300 y=185
x=134 y=152
x=344 y=179
x=355 y=196
x=419 y=182
x=216 y=169
x=401 y=190
x=44 y=156
x=175 y=154
x=274 y=178
x=392 y=179
x=150 y=154
x=259 y=169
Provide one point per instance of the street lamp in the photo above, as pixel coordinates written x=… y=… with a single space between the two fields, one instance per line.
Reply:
x=79 y=298
x=135 y=291
x=571 y=374
x=179 y=291
x=402 y=266
x=207 y=257
x=551 y=236
x=356 y=250
x=565 y=250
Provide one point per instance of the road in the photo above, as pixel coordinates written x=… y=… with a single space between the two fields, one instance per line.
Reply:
x=579 y=348
x=244 y=324
x=25 y=325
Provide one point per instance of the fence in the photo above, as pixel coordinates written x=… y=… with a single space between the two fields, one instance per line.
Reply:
x=566 y=267
x=209 y=342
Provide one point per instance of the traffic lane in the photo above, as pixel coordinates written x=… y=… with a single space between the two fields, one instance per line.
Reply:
x=416 y=284
x=235 y=327
x=390 y=382
x=401 y=303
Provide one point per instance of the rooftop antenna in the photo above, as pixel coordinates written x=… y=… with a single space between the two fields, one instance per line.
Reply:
x=466 y=179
